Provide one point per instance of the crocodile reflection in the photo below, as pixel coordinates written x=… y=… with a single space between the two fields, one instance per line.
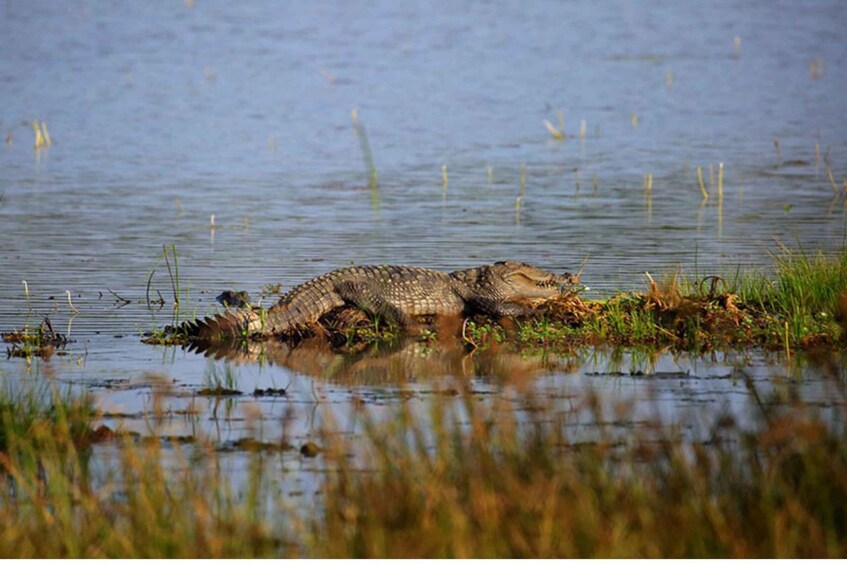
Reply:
x=395 y=362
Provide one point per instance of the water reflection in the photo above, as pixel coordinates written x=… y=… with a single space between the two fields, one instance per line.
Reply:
x=398 y=362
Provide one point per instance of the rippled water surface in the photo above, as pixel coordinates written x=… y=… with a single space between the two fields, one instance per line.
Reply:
x=163 y=115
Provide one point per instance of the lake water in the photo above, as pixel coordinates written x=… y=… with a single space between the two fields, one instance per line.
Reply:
x=162 y=115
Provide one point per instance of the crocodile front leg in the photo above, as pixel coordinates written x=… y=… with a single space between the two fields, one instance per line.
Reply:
x=498 y=309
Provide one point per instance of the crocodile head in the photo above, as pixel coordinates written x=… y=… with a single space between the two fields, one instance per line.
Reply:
x=511 y=280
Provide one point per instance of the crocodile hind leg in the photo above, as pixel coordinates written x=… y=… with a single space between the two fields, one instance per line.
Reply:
x=372 y=301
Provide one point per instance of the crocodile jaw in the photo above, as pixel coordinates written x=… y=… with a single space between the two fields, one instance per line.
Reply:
x=523 y=281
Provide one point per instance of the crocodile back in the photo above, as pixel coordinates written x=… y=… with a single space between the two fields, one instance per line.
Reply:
x=394 y=292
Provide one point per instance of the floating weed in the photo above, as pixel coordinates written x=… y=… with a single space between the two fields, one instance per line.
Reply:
x=42 y=136
x=556 y=133
x=40 y=341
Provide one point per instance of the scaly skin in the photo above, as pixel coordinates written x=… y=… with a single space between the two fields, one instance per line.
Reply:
x=397 y=294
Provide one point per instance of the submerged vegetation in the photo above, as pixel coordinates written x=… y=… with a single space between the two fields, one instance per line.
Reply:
x=465 y=479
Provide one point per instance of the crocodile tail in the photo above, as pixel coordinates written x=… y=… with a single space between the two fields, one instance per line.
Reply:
x=232 y=324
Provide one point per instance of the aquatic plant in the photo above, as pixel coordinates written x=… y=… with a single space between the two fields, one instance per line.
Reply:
x=701 y=184
x=219 y=381
x=554 y=131
x=42 y=136
x=367 y=158
x=38 y=341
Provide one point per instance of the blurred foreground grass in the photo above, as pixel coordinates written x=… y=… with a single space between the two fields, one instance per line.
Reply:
x=465 y=479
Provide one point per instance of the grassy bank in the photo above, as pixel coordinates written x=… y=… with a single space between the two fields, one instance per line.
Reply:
x=800 y=303
x=463 y=480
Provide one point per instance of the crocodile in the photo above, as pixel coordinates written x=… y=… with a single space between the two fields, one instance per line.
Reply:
x=397 y=294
